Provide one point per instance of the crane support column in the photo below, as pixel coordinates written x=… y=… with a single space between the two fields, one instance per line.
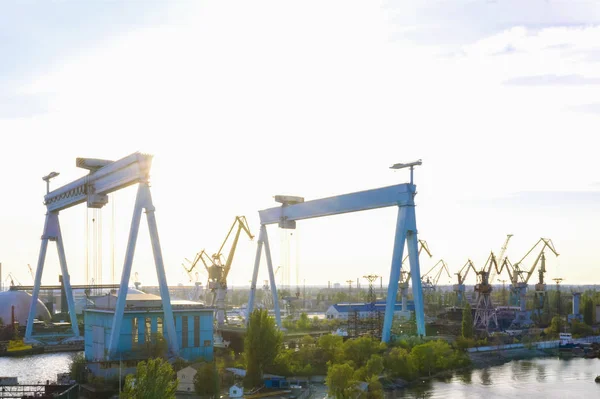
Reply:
x=51 y=233
x=395 y=273
x=413 y=257
x=143 y=201
x=263 y=239
x=125 y=275
x=38 y=279
x=160 y=270
x=272 y=278
x=66 y=279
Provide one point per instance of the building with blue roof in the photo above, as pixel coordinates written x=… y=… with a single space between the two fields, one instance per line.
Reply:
x=340 y=311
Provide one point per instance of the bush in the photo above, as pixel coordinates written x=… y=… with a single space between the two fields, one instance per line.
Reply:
x=78 y=368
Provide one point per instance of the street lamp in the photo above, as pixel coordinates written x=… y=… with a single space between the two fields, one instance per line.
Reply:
x=410 y=165
x=47 y=178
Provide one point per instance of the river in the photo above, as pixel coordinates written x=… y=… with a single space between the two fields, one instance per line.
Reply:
x=535 y=378
x=36 y=368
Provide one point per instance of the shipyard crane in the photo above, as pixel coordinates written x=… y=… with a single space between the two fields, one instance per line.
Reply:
x=520 y=287
x=485 y=313
x=501 y=257
x=200 y=256
x=405 y=276
x=104 y=177
x=431 y=282
x=462 y=276
x=218 y=272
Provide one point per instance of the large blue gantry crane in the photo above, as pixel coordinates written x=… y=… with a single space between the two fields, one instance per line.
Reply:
x=104 y=178
x=293 y=209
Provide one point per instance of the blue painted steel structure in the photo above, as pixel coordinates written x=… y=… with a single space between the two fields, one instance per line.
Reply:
x=104 y=178
x=401 y=195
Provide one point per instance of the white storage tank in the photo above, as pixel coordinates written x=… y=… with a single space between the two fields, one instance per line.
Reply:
x=21 y=301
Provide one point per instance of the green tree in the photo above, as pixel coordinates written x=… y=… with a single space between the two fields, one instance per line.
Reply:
x=588 y=311
x=340 y=383
x=206 y=380
x=261 y=346
x=467 y=322
x=375 y=390
x=557 y=324
x=303 y=322
x=361 y=349
x=331 y=347
x=398 y=364
x=77 y=368
x=153 y=379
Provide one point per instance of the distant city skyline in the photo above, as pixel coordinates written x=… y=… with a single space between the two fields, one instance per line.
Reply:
x=241 y=101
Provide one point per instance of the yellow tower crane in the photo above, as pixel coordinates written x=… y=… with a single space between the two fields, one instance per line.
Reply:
x=520 y=287
x=218 y=271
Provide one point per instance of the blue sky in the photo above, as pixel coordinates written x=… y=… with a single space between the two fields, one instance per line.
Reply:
x=239 y=102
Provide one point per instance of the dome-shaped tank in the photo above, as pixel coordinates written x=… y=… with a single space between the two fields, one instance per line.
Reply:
x=21 y=301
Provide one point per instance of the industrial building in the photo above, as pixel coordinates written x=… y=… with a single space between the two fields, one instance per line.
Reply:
x=340 y=311
x=142 y=327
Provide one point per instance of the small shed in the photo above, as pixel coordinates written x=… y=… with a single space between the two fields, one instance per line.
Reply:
x=185 y=378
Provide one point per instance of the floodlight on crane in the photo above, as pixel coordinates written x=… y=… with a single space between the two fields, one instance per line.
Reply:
x=47 y=179
x=410 y=165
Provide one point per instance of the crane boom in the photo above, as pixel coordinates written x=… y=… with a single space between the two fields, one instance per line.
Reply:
x=405 y=276
x=242 y=224
x=547 y=243
x=502 y=254
x=437 y=275
x=469 y=266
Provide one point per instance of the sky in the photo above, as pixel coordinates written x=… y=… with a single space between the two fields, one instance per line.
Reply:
x=240 y=101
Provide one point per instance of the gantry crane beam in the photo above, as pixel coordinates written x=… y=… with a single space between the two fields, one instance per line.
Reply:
x=105 y=177
x=401 y=195
x=287 y=215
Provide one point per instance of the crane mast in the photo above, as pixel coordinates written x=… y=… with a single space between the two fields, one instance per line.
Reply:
x=219 y=271
x=521 y=277
x=460 y=287
x=485 y=313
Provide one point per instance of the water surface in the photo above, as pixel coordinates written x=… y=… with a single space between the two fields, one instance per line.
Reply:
x=534 y=378
x=37 y=368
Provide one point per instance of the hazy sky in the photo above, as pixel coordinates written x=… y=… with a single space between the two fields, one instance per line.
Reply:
x=239 y=101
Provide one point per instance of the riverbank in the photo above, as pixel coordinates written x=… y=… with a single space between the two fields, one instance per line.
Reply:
x=496 y=358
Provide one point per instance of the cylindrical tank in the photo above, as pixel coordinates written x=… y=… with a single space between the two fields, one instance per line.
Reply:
x=21 y=301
